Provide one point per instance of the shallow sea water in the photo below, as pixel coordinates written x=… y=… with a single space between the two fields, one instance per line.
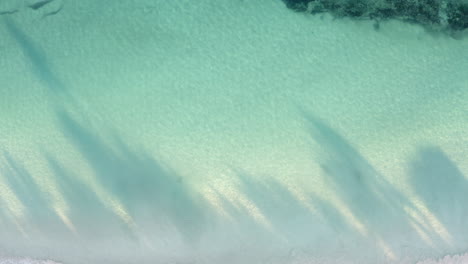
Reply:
x=228 y=132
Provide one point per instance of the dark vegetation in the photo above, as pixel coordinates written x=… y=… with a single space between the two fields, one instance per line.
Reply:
x=452 y=15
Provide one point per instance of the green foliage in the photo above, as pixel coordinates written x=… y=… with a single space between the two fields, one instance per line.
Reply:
x=430 y=13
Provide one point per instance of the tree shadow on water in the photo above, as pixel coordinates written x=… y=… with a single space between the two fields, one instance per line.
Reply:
x=141 y=183
x=443 y=189
x=381 y=208
x=40 y=64
x=149 y=191
x=277 y=205
x=377 y=206
x=89 y=215
x=37 y=204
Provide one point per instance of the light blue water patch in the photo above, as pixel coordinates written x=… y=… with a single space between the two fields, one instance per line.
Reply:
x=228 y=132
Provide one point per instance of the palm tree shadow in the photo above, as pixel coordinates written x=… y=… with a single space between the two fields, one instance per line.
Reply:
x=370 y=198
x=88 y=214
x=40 y=64
x=140 y=183
x=276 y=204
x=39 y=210
x=443 y=189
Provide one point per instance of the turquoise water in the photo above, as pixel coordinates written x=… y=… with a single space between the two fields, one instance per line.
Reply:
x=228 y=132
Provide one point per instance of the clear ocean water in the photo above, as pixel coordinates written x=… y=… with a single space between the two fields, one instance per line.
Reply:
x=229 y=131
